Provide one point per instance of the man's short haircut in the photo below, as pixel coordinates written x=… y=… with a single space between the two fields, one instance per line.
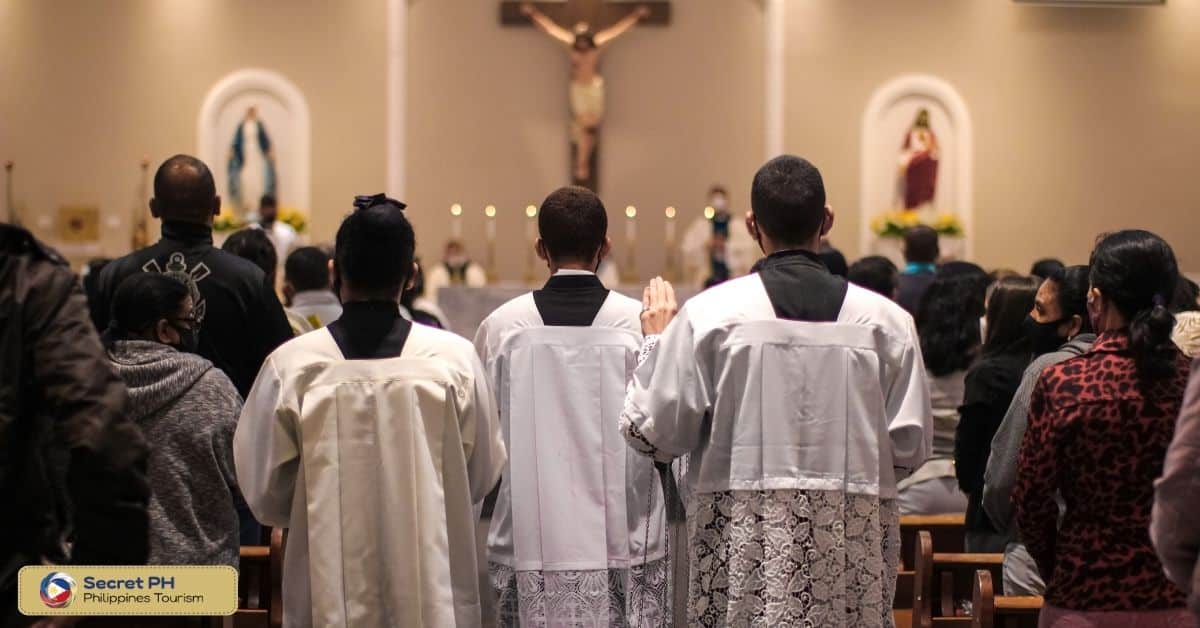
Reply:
x=875 y=273
x=374 y=249
x=921 y=245
x=184 y=188
x=788 y=199
x=717 y=188
x=268 y=201
x=253 y=244
x=573 y=224
x=307 y=268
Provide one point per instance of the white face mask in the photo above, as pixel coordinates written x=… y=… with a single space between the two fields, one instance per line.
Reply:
x=718 y=203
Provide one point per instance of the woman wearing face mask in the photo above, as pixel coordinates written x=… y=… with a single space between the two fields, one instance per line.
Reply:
x=1058 y=329
x=990 y=385
x=188 y=410
x=1099 y=426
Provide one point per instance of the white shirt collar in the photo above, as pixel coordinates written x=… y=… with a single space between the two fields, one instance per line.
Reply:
x=314 y=297
x=572 y=271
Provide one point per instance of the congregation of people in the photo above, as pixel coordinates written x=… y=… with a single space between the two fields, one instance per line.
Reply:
x=172 y=408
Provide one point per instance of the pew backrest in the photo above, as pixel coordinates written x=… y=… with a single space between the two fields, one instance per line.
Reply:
x=946 y=531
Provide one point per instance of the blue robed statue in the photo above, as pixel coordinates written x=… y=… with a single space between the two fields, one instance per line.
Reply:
x=251 y=164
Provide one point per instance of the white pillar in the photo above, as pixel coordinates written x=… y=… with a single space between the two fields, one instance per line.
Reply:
x=773 y=17
x=397 y=44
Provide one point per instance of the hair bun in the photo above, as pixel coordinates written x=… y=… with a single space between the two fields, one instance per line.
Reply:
x=366 y=201
x=1150 y=339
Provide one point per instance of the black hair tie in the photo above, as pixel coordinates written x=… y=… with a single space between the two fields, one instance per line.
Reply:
x=367 y=201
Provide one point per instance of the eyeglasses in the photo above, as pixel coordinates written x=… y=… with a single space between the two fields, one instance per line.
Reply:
x=192 y=321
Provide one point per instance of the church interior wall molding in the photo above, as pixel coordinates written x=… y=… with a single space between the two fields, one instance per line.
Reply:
x=892 y=115
x=285 y=114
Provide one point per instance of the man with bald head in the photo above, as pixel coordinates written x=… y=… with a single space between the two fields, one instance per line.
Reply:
x=240 y=318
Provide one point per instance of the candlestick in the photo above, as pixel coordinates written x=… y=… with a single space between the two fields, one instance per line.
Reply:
x=490 y=212
x=8 y=193
x=139 y=238
x=530 y=238
x=670 y=245
x=456 y=221
x=631 y=275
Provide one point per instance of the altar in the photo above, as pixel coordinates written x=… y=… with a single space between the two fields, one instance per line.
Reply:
x=466 y=307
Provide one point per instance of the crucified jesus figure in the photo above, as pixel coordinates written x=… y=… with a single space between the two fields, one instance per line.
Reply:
x=587 y=86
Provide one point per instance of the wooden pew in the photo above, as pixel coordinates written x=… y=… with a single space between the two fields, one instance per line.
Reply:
x=904 y=590
x=902 y=601
x=260 y=585
x=955 y=577
x=947 y=532
x=992 y=611
x=942 y=579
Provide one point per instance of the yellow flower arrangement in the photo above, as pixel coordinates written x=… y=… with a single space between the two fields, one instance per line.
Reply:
x=893 y=224
x=227 y=221
x=294 y=217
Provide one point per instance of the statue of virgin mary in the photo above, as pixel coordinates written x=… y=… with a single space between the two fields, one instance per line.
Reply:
x=251 y=165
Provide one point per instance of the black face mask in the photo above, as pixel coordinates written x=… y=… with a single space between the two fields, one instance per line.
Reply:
x=189 y=338
x=1043 y=337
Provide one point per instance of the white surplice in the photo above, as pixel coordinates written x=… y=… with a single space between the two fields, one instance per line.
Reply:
x=795 y=430
x=577 y=537
x=376 y=467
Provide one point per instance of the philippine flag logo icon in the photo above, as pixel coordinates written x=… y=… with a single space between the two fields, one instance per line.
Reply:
x=57 y=590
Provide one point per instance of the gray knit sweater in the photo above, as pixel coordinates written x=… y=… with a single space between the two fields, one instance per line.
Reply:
x=1001 y=473
x=188 y=410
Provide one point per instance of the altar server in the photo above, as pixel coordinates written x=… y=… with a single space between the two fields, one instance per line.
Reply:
x=577 y=537
x=373 y=440
x=801 y=399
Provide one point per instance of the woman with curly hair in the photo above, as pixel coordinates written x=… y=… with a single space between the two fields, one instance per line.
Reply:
x=949 y=329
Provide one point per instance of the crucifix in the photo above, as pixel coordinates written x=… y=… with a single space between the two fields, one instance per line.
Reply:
x=585 y=27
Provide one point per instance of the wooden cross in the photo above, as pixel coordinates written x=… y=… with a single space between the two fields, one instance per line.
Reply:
x=599 y=14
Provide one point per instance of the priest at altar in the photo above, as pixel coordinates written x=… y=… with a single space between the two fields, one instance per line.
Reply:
x=455 y=269
x=716 y=245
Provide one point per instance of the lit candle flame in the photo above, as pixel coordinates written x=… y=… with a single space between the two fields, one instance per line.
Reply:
x=709 y=212
x=456 y=210
x=670 y=212
x=531 y=211
x=490 y=211
x=630 y=211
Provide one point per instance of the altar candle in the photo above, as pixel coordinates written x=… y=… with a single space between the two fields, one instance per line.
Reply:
x=490 y=212
x=630 y=224
x=531 y=224
x=456 y=221
x=670 y=212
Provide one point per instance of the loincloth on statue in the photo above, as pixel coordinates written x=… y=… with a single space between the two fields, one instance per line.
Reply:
x=587 y=99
